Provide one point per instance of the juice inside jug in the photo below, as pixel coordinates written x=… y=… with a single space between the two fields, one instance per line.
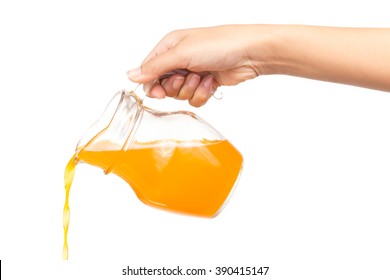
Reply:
x=191 y=177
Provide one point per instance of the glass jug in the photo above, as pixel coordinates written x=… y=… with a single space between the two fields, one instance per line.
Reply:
x=172 y=160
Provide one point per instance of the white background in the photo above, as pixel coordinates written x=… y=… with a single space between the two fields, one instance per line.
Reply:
x=313 y=199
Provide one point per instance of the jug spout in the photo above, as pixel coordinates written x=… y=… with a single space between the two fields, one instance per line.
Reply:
x=116 y=127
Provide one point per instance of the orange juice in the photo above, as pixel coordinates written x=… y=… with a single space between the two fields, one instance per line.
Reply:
x=68 y=178
x=187 y=177
x=190 y=177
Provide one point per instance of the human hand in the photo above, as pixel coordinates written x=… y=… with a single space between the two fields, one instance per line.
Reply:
x=191 y=64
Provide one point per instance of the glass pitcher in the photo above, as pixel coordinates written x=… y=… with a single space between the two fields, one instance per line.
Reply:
x=172 y=160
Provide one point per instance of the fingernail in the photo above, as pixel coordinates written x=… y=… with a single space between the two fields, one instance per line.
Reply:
x=177 y=83
x=194 y=81
x=134 y=74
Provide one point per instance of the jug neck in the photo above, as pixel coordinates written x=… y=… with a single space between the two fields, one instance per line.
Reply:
x=117 y=127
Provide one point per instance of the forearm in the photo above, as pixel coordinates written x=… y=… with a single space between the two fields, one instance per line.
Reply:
x=356 y=56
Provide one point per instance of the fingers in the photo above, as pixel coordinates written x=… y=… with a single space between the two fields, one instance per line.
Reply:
x=181 y=87
x=194 y=88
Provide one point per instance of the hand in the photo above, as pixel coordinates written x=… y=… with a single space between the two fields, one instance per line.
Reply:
x=199 y=60
x=191 y=64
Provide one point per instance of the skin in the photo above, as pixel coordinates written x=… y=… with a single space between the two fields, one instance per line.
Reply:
x=191 y=64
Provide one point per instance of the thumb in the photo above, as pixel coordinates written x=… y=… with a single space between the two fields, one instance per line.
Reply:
x=155 y=67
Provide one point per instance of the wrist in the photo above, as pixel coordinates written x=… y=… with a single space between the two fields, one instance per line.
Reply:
x=273 y=51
